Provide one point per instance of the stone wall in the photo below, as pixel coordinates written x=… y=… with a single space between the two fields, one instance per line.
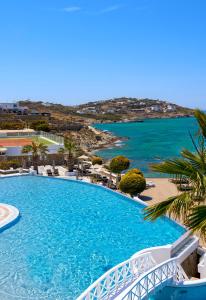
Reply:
x=190 y=265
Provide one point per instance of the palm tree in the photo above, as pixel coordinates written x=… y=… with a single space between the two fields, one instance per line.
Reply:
x=69 y=152
x=188 y=206
x=37 y=149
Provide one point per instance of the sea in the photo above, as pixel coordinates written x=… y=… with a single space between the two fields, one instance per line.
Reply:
x=151 y=141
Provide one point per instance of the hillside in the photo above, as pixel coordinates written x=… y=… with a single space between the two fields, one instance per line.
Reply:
x=112 y=110
x=75 y=120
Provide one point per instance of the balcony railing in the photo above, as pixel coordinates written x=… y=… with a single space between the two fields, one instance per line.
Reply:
x=158 y=276
x=118 y=278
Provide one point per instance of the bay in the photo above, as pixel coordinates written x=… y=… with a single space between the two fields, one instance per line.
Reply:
x=151 y=141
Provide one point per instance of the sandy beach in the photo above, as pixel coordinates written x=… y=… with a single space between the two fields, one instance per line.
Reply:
x=162 y=190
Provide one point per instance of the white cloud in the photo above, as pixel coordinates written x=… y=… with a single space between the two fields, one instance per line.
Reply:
x=110 y=9
x=72 y=9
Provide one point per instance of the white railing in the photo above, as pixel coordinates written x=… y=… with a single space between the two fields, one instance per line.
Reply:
x=53 y=137
x=20 y=134
x=158 y=276
x=118 y=278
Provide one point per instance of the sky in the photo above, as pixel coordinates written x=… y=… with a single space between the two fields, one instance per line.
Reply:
x=74 y=51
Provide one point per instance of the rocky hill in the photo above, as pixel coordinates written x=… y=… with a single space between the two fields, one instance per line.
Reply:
x=76 y=120
x=131 y=109
x=112 y=110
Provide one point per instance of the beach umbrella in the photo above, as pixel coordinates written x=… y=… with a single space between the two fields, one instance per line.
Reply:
x=3 y=150
x=83 y=157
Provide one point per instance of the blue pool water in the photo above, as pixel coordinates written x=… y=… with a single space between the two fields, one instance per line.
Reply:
x=68 y=235
x=181 y=293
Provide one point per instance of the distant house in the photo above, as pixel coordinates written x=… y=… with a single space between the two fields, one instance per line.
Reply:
x=137 y=110
x=170 y=108
x=111 y=111
x=35 y=112
x=90 y=109
x=156 y=108
x=46 y=114
x=13 y=108
x=80 y=112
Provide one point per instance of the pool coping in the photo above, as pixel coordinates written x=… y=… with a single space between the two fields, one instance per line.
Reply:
x=11 y=215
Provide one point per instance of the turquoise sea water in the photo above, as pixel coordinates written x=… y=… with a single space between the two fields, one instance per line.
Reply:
x=68 y=235
x=151 y=141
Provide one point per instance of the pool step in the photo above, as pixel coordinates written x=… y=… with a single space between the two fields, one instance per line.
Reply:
x=185 y=247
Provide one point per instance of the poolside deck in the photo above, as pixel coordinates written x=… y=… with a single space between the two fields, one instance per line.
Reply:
x=162 y=190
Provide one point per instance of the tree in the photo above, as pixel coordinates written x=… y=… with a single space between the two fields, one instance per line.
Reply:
x=118 y=164
x=189 y=206
x=132 y=184
x=135 y=171
x=12 y=125
x=37 y=149
x=96 y=160
x=40 y=125
x=69 y=151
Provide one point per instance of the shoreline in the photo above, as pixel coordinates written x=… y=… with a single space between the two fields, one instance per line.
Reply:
x=111 y=142
x=143 y=118
x=114 y=139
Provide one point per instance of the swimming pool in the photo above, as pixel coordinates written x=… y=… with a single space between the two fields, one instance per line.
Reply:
x=68 y=235
x=181 y=293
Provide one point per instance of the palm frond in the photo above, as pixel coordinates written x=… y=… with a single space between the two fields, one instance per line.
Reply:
x=176 y=206
x=61 y=151
x=177 y=166
x=197 y=220
x=26 y=149
x=201 y=119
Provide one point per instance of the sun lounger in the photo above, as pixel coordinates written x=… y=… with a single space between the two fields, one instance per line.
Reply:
x=150 y=184
x=179 y=180
x=112 y=186
x=184 y=187
x=56 y=172
x=49 y=172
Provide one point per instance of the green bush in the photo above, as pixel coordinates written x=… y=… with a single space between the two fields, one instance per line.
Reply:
x=119 y=164
x=132 y=184
x=40 y=125
x=7 y=164
x=96 y=160
x=135 y=171
x=11 y=125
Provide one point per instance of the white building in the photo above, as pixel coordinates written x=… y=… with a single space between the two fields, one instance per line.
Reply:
x=156 y=108
x=170 y=108
x=13 y=107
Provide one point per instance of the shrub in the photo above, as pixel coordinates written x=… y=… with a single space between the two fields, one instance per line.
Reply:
x=40 y=125
x=11 y=125
x=119 y=164
x=135 y=171
x=96 y=160
x=7 y=164
x=132 y=184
